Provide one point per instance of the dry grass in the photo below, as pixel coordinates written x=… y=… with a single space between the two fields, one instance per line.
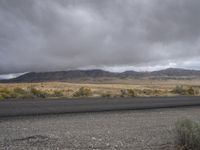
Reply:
x=188 y=135
x=131 y=89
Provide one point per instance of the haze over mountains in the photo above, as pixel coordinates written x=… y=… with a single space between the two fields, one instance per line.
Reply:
x=170 y=73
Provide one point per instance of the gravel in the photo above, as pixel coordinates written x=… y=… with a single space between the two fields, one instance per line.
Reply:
x=138 y=130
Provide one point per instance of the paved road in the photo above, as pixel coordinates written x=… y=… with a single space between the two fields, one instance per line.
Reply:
x=39 y=107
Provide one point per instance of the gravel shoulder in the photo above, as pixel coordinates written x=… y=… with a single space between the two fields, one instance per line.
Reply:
x=139 y=129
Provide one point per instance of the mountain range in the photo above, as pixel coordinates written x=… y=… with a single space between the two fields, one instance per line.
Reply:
x=170 y=73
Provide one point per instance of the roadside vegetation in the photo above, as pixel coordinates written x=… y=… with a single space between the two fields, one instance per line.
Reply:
x=21 y=93
x=181 y=90
x=127 y=93
x=83 y=92
x=72 y=90
x=106 y=95
x=188 y=135
x=57 y=93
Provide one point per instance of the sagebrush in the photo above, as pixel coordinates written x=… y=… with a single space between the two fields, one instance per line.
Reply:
x=188 y=135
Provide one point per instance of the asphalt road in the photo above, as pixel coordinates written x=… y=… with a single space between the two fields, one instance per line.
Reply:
x=40 y=107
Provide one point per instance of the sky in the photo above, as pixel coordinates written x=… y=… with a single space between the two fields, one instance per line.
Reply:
x=115 y=35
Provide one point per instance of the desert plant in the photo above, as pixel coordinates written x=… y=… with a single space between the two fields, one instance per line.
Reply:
x=58 y=93
x=83 y=92
x=14 y=93
x=5 y=90
x=19 y=90
x=191 y=91
x=131 y=93
x=127 y=93
x=5 y=93
x=123 y=93
x=20 y=93
x=38 y=93
x=1 y=97
x=179 y=90
x=188 y=135
x=106 y=95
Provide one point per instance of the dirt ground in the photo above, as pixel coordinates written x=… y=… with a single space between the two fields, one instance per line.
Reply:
x=148 y=130
x=141 y=87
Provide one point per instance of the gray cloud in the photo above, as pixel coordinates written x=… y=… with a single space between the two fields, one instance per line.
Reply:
x=52 y=35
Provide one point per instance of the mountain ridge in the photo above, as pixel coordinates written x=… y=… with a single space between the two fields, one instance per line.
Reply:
x=169 y=73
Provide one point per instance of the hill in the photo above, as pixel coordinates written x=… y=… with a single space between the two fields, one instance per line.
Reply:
x=170 y=73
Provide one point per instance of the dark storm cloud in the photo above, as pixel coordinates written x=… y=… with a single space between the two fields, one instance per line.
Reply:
x=47 y=35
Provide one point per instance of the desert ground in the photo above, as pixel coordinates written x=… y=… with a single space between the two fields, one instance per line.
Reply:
x=119 y=88
x=144 y=129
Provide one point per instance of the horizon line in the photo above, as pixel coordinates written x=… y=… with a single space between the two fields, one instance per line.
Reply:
x=15 y=75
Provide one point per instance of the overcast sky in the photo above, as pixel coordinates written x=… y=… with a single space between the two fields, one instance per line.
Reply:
x=48 y=35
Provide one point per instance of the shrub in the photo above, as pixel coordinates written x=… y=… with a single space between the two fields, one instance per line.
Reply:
x=38 y=93
x=191 y=91
x=127 y=93
x=15 y=93
x=179 y=90
x=184 y=91
x=20 y=93
x=83 y=92
x=123 y=93
x=19 y=90
x=131 y=93
x=4 y=90
x=5 y=93
x=106 y=95
x=58 y=94
x=1 y=97
x=188 y=135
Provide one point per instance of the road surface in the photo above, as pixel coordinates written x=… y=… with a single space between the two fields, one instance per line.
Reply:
x=40 y=107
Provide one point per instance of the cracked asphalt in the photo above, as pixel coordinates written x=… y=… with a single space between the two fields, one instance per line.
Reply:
x=128 y=130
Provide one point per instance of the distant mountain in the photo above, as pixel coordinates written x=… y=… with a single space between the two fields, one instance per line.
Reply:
x=171 y=73
x=61 y=76
x=128 y=74
x=176 y=72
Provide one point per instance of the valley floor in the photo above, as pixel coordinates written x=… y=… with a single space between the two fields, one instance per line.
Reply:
x=119 y=88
